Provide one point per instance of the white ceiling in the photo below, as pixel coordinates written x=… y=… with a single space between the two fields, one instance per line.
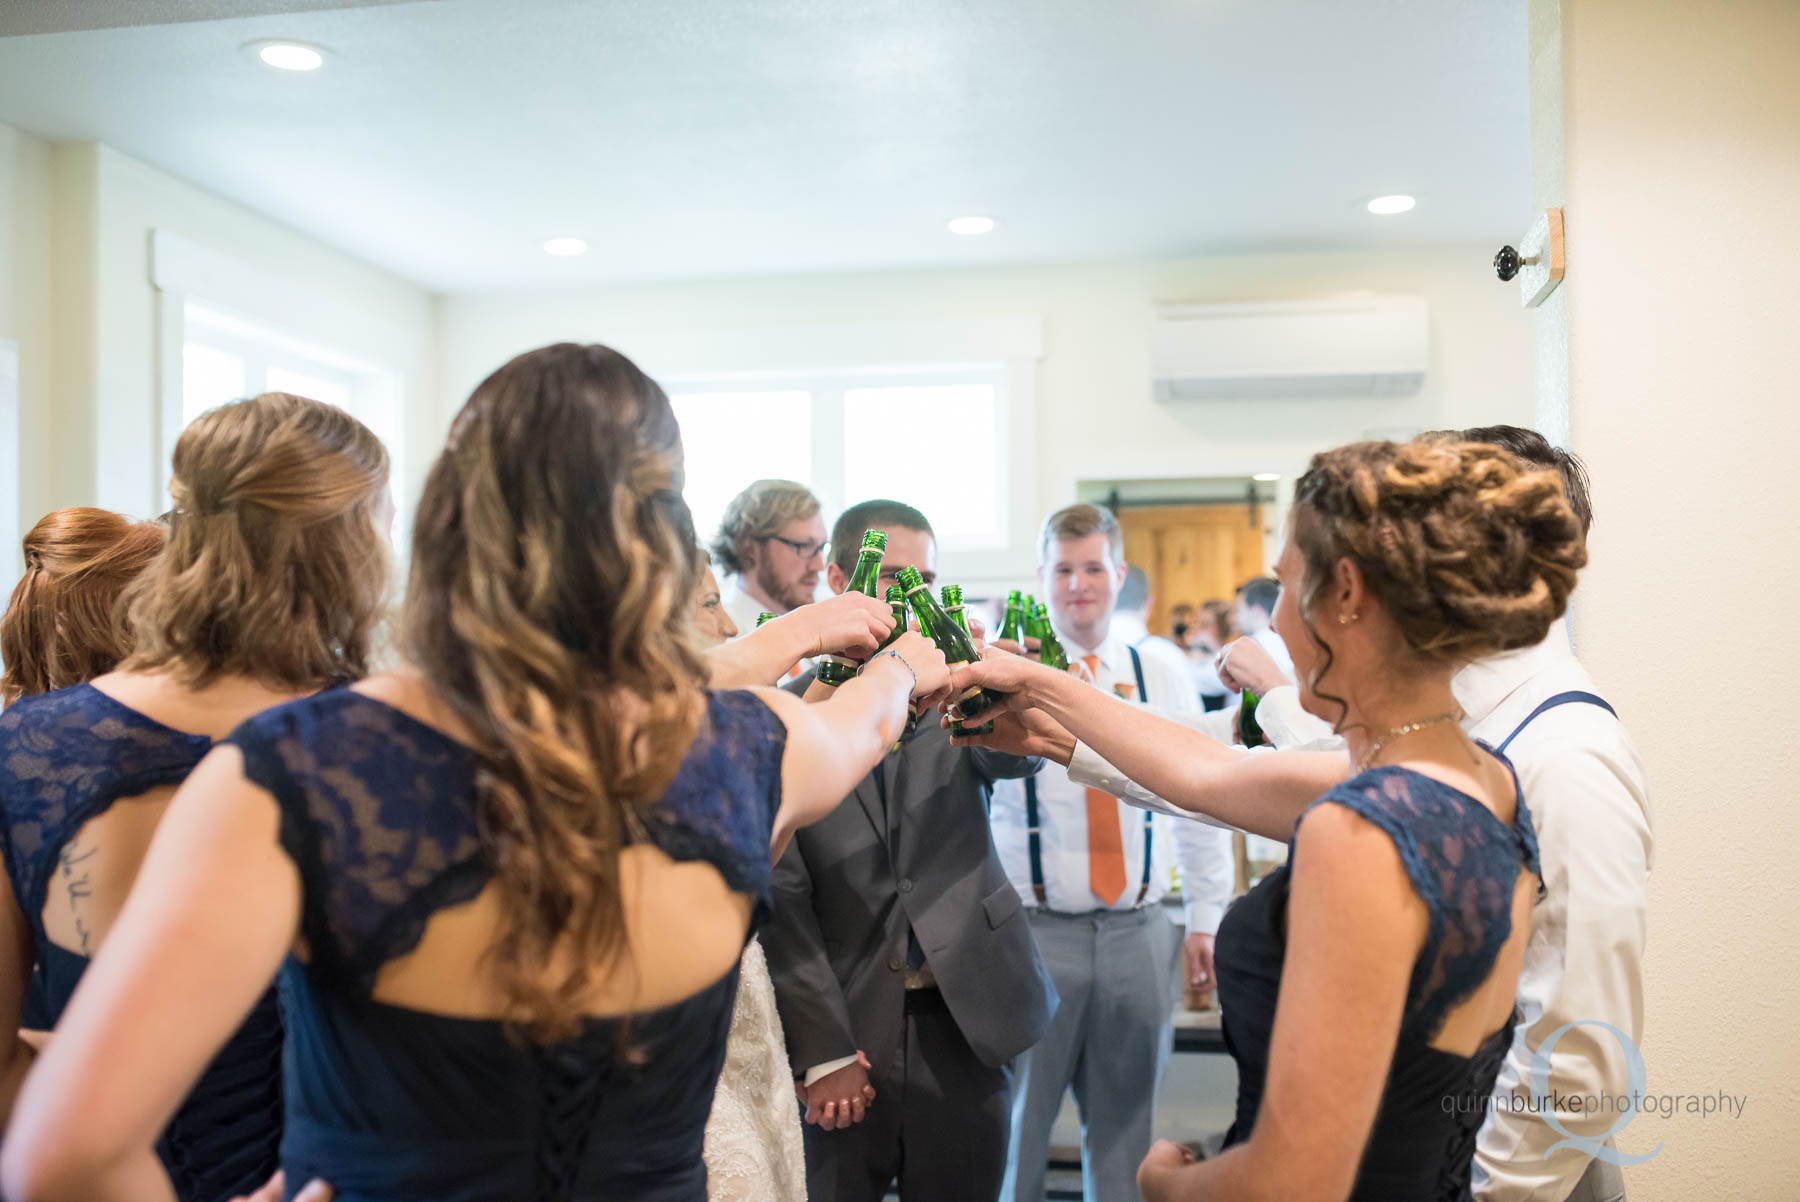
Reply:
x=446 y=140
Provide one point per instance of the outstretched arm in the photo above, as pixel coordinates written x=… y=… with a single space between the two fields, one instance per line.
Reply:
x=214 y=909
x=834 y=744
x=1260 y=792
x=849 y=624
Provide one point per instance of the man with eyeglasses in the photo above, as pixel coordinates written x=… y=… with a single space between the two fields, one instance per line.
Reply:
x=771 y=543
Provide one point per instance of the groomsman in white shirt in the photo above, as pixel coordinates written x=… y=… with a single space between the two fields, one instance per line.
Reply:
x=769 y=551
x=1256 y=599
x=1092 y=874
x=1589 y=800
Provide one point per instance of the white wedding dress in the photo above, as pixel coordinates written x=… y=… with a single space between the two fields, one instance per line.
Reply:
x=754 y=1151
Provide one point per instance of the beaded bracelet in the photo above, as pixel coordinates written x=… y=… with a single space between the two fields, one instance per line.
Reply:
x=903 y=664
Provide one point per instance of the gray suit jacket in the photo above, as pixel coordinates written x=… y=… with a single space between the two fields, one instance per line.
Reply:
x=848 y=885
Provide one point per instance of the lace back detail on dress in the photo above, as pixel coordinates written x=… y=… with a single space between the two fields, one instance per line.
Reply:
x=65 y=757
x=379 y=811
x=1463 y=862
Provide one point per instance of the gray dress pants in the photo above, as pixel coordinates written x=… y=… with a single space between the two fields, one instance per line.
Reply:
x=938 y=1130
x=1109 y=1041
x=1601 y=1183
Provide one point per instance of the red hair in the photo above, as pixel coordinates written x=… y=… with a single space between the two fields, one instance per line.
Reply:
x=65 y=623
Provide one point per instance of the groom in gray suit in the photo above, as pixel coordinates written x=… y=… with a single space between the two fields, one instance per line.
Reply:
x=897 y=935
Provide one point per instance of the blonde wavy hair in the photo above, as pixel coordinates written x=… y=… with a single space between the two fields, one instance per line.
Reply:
x=66 y=621
x=1469 y=550
x=275 y=567
x=553 y=578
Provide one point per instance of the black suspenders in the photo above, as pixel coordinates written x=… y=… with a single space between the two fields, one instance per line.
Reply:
x=1572 y=696
x=1033 y=829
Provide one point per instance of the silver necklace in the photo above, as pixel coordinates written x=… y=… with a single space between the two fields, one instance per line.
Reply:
x=1400 y=732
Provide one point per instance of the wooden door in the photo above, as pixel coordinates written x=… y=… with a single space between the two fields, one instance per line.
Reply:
x=1192 y=553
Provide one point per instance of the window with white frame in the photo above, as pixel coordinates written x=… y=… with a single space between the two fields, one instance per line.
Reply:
x=224 y=358
x=930 y=437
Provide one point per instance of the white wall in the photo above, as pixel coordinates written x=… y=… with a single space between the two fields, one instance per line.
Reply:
x=1682 y=127
x=105 y=443
x=1095 y=415
x=25 y=218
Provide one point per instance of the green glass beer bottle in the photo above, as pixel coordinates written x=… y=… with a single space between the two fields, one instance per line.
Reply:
x=951 y=595
x=896 y=599
x=953 y=605
x=834 y=670
x=764 y=617
x=1012 y=626
x=1250 y=731
x=1050 y=648
x=955 y=642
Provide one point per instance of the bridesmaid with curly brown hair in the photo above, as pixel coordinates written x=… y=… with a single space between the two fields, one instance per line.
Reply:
x=506 y=888
x=269 y=587
x=1367 y=986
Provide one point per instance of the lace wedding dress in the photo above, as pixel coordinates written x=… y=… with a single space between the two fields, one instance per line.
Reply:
x=754 y=1151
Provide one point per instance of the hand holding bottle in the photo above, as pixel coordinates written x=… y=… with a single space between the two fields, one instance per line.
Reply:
x=1244 y=664
x=850 y=624
x=932 y=677
x=1024 y=732
x=1003 y=672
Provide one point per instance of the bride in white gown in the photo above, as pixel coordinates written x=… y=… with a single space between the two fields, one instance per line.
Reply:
x=754 y=1151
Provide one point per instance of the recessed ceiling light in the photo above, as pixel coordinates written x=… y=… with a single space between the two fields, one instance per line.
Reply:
x=971 y=225
x=1266 y=477
x=1389 y=205
x=290 y=56
x=565 y=247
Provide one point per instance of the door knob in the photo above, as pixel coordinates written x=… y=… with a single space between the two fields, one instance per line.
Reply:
x=1507 y=263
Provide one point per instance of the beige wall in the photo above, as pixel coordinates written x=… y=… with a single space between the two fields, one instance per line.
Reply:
x=83 y=215
x=1095 y=414
x=1682 y=126
x=25 y=220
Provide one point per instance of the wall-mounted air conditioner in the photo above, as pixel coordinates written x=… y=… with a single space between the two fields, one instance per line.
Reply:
x=1360 y=345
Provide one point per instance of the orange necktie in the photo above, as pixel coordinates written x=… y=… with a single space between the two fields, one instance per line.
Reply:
x=1106 y=848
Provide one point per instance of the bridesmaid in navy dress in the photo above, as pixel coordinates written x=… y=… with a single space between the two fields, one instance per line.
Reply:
x=505 y=888
x=1367 y=986
x=64 y=626
x=268 y=589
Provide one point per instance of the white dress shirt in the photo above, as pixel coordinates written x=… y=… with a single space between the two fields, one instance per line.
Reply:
x=743 y=608
x=1202 y=853
x=1589 y=801
x=1277 y=648
x=1288 y=726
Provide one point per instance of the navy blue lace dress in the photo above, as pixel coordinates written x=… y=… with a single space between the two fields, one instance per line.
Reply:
x=1464 y=862
x=378 y=811
x=65 y=758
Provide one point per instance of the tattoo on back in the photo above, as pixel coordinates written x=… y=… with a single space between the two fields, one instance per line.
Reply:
x=75 y=878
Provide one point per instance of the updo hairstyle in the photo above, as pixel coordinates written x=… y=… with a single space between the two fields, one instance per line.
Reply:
x=1469 y=550
x=276 y=568
x=66 y=621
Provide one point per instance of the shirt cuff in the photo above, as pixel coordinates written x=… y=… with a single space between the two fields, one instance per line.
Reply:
x=1203 y=917
x=1287 y=723
x=1086 y=767
x=829 y=1067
